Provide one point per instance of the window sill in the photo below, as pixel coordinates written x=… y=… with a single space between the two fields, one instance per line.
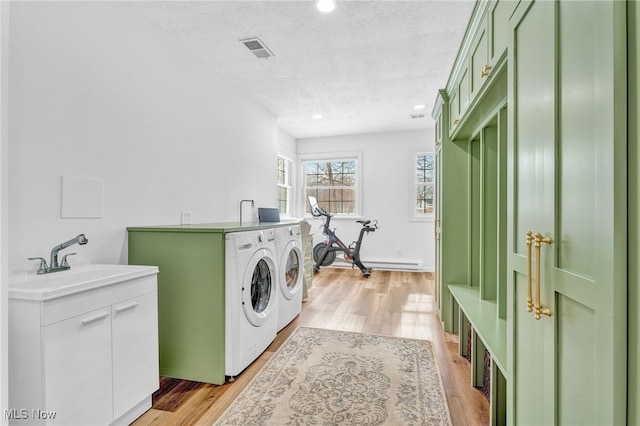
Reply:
x=338 y=217
x=427 y=219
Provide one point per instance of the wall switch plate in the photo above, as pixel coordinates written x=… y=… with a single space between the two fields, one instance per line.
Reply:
x=185 y=217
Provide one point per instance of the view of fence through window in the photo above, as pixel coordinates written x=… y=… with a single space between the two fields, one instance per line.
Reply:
x=425 y=183
x=334 y=184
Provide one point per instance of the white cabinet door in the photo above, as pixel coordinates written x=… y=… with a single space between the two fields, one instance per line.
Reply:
x=135 y=351
x=77 y=357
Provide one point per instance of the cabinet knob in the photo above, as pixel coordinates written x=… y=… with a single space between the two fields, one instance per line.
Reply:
x=485 y=71
x=456 y=121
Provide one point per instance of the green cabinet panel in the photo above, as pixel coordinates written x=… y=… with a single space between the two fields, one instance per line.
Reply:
x=440 y=114
x=475 y=208
x=568 y=185
x=479 y=61
x=191 y=315
x=454 y=112
x=464 y=92
x=633 y=19
x=489 y=212
x=499 y=14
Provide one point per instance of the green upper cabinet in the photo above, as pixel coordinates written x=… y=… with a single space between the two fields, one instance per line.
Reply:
x=481 y=60
x=463 y=92
x=498 y=17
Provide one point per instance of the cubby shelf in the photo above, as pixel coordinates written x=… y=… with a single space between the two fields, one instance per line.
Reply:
x=482 y=314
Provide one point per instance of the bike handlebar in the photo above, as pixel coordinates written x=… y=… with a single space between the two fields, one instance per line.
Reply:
x=317 y=211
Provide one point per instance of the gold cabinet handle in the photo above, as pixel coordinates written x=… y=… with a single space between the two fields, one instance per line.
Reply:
x=456 y=121
x=485 y=71
x=538 y=240
x=436 y=234
x=529 y=239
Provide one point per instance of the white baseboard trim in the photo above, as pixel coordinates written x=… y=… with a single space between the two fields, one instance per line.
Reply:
x=399 y=264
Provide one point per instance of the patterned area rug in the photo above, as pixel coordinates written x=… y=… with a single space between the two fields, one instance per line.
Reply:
x=326 y=377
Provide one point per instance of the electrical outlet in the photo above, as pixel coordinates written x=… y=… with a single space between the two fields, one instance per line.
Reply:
x=185 y=217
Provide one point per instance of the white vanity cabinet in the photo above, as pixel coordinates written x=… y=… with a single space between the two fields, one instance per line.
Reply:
x=135 y=351
x=77 y=357
x=87 y=355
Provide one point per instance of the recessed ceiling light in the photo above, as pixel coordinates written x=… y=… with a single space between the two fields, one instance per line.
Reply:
x=316 y=116
x=420 y=106
x=325 y=5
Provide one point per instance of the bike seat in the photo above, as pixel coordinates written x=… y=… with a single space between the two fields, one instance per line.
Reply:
x=363 y=222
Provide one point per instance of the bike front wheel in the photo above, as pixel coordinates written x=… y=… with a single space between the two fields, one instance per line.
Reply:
x=318 y=249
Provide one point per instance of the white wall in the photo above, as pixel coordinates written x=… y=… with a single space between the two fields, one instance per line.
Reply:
x=4 y=317
x=387 y=194
x=286 y=143
x=98 y=92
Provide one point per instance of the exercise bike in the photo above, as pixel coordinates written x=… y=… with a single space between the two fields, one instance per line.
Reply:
x=324 y=254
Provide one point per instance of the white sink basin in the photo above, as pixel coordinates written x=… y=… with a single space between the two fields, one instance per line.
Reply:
x=74 y=280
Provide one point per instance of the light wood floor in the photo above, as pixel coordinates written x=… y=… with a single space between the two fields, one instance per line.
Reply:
x=399 y=304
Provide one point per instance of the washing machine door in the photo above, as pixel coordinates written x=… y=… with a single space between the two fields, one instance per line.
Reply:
x=258 y=288
x=291 y=270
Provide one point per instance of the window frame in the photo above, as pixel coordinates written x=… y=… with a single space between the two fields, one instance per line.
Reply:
x=332 y=157
x=415 y=184
x=288 y=186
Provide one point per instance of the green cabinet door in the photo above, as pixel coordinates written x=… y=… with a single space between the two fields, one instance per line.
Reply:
x=567 y=347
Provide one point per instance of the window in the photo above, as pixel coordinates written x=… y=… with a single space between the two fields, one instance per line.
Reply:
x=284 y=185
x=425 y=184
x=334 y=183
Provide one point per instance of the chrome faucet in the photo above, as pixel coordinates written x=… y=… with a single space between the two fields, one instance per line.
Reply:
x=54 y=266
x=244 y=201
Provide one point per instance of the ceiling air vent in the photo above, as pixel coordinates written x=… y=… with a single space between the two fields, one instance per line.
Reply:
x=258 y=48
x=414 y=116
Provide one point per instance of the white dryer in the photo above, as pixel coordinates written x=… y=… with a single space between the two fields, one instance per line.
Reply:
x=251 y=300
x=290 y=273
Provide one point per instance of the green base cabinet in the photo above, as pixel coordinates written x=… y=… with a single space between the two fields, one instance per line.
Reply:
x=191 y=315
x=191 y=293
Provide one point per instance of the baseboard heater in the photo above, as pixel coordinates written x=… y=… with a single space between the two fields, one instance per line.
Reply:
x=384 y=264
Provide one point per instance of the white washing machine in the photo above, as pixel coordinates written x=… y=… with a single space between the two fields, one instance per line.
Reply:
x=290 y=273
x=251 y=300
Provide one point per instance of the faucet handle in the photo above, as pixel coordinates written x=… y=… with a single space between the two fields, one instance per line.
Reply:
x=43 y=268
x=64 y=263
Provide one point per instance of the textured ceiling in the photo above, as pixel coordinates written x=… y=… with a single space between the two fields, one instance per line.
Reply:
x=363 y=66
